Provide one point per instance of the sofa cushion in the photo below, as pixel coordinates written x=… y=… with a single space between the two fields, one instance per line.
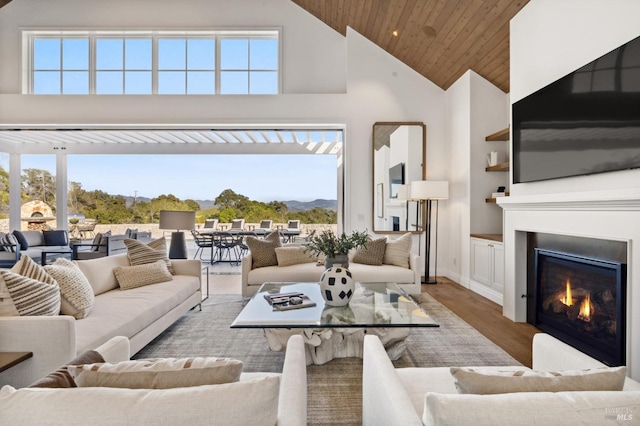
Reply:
x=61 y=377
x=293 y=256
x=9 y=239
x=76 y=294
x=32 y=238
x=263 y=251
x=94 y=270
x=372 y=253
x=55 y=238
x=139 y=275
x=397 y=252
x=530 y=408
x=140 y=253
x=126 y=313
x=161 y=373
x=22 y=240
x=30 y=296
x=485 y=382
x=240 y=403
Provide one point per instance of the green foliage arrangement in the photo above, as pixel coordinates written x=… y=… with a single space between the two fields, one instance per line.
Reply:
x=332 y=245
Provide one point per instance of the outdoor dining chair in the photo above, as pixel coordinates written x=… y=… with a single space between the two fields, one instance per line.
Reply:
x=203 y=241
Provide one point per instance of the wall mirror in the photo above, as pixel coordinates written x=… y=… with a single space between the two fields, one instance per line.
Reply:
x=399 y=152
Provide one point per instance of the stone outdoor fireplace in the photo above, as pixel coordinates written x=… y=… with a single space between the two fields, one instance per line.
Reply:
x=580 y=299
x=580 y=235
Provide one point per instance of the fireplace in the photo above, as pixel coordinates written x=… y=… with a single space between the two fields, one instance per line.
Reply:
x=581 y=300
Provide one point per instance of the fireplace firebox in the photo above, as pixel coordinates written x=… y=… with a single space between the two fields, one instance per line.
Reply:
x=581 y=301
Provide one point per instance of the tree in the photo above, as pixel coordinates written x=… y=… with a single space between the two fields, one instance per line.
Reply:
x=38 y=184
x=4 y=192
x=229 y=199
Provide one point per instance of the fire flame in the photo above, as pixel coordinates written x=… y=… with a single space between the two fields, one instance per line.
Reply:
x=585 y=309
x=567 y=299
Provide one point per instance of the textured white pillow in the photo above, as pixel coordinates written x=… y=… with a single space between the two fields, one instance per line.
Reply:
x=293 y=256
x=129 y=277
x=397 y=252
x=75 y=291
x=162 y=373
x=242 y=403
x=487 y=381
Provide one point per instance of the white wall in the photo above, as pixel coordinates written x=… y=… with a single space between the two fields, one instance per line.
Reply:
x=550 y=39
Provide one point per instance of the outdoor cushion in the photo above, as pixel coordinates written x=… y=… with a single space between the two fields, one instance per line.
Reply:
x=22 y=240
x=33 y=238
x=55 y=238
x=9 y=239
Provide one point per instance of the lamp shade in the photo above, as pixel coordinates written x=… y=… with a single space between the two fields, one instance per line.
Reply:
x=430 y=190
x=177 y=219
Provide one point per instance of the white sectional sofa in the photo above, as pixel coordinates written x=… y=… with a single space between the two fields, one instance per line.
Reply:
x=253 y=278
x=197 y=405
x=417 y=396
x=140 y=314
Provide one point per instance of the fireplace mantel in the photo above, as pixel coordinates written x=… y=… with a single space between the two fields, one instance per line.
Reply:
x=604 y=214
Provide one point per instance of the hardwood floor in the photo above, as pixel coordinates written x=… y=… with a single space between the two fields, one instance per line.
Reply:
x=486 y=317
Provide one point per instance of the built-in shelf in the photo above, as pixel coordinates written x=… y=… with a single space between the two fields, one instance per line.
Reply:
x=491 y=237
x=502 y=135
x=502 y=167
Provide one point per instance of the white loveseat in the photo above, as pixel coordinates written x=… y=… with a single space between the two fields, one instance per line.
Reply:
x=253 y=278
x=257 y=398
x=140 y=314
x=398 y=396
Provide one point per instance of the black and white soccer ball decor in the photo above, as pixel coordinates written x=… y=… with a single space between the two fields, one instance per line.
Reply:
x=337 y=286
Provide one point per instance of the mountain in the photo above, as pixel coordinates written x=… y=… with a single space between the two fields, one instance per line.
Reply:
x=299 y=206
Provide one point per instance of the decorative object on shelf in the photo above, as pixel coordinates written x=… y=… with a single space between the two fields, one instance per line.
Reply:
x=337 y=286
x=428 y=191
x=177 y=219
x=333 y=246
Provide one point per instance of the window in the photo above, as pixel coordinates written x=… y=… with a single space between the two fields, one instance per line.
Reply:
x=165 y=63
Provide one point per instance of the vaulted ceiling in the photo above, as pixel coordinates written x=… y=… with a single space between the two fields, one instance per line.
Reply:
x=440 y=39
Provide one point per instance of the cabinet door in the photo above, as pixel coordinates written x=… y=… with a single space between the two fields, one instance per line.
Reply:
x=498 y=267
x=481 y=262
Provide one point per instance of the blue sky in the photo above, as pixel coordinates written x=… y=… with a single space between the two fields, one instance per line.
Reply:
x=259 y=177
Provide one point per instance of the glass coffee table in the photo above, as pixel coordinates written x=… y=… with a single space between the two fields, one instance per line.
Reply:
x=382 y=309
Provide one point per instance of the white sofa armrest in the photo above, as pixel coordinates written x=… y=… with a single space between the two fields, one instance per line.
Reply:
x=246 y=263
x=414 y=265
x=292 y=398
x=52 y=340
x=551 y=354
x=191 y=267
x=115 y=349
x=385 y=401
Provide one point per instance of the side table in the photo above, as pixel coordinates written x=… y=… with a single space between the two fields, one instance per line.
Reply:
x=9 y=359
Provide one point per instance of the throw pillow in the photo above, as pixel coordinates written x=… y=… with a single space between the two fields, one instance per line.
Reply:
x=397 y=252
x=11 y=242
x=24 y=244
x=30 y=296
x=55 y=238
x=486 y=382
x=61 y=377
x=140 y=253
x=129 y=277
x=76 y=294
x=7 y=307
x=163 y=373
x=263 y=251
x=372 y=253
x=30 y=269
x=293 y=256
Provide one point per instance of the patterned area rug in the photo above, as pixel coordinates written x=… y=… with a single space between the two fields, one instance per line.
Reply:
x=334 y=389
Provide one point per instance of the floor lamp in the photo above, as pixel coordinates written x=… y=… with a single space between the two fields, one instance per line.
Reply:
x=177 y=219
x=429 y=191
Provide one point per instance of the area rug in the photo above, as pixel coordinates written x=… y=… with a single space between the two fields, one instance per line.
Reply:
x=334 y=389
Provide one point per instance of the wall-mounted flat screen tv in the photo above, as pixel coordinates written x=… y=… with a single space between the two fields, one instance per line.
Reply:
x=396 y=178
x=586 y=122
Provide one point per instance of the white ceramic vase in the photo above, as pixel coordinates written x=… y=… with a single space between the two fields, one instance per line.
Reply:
x=337 y=285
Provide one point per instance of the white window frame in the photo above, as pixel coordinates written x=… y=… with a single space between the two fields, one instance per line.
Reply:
x=217 y=35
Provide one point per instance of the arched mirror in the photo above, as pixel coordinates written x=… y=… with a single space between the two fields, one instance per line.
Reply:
x=399 y=152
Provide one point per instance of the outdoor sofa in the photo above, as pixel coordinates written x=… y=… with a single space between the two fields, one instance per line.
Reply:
x=139 y=313
x=417 y=396
x=256 y=398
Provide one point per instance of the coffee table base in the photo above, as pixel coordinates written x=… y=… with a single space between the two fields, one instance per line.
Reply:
x=324 y=344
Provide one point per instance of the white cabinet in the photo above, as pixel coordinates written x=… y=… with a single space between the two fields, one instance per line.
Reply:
x=487 y=268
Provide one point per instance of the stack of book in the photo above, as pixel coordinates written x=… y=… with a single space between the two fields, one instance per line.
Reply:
x=288 y=301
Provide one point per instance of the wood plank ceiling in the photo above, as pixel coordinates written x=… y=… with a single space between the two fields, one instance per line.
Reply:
x=440 y=39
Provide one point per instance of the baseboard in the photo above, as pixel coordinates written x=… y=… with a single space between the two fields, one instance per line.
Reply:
x=455 y=277
x=483 y=291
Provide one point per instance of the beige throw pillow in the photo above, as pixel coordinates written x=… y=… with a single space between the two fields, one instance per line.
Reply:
x=263 y=251
x=75 y=291
x=486 y=382
x=129 y=277
x=164 y=373
x=397 y=252
x=141 y=253
x=372 y=253
x=30 y=296
x=293 y=256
